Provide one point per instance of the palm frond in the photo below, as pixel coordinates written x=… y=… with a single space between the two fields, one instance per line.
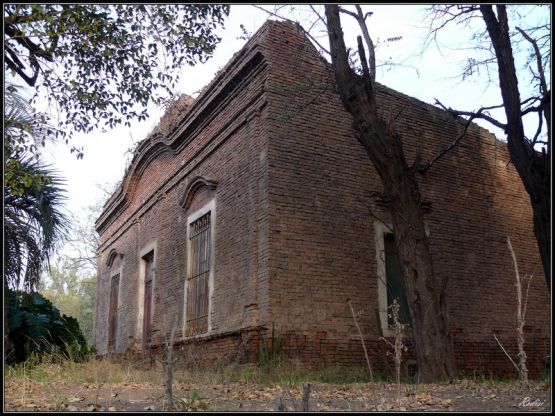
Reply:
x=35 y=223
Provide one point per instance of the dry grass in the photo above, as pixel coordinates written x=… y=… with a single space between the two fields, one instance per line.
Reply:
x=102 y=372
x=132 y=384
x=56 y=369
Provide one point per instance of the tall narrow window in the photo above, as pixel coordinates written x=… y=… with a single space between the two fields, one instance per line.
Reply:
x=113 y=313
x=200 y=248
x=395 y=281
x=147 y=317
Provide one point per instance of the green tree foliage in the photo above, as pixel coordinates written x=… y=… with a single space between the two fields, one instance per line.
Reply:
x=72 y=292
x=99 y=63
x=87 y=303
x=36 y=326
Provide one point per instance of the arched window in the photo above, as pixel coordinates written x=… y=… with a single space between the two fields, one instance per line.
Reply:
x=199 y=191
x=200 y=205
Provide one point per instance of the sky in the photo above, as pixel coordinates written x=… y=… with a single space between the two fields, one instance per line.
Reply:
x=425 y=75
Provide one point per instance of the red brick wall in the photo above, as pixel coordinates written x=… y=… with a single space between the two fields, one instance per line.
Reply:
x=229 y=148
x=322 y=238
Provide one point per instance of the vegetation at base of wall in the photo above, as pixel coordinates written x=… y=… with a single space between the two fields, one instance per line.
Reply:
x=55 y=383
x=52 y=368
x=270 y=351
x=291 y=375
x=36 y=328
x=55 y=368
x=54 y=380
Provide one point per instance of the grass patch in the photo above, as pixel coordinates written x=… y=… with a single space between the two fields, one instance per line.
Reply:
x=491 y=380
x=283 y=372
x=54 y=368
x=55 y=371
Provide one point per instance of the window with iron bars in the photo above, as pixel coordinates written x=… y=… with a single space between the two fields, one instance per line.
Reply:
x=200 y=248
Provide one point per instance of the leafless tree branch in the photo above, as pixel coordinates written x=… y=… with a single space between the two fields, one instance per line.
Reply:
x=320 y=17
x=539 y=129
x=543 y=83
x=476 y=114
x=365 y=69
x=505 y=351
x=423 y=169
x=446 y=14
x=360 y=17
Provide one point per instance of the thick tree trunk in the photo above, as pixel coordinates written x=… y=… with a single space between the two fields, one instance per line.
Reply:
x=532 y=166
x=542 y=224
x=434 y=347
x=428 y=309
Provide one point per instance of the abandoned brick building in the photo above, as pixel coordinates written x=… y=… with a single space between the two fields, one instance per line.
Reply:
x=257 y=211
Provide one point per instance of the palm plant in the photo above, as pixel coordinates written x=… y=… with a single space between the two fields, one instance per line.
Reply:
x=34 y=220
x=33 y=224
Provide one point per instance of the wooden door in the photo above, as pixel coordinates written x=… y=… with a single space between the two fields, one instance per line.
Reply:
x=113 y=313
x=147 y=312
x=147 y=317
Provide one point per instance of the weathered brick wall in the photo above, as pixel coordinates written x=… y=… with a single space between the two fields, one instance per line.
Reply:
x=220 y=349
x=294 y=218
x=228 y=148
x=322 y=237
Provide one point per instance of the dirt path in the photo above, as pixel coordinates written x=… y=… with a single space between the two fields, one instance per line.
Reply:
x=459 y=396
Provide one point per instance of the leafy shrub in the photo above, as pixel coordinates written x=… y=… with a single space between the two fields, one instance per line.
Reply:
x=35 y=326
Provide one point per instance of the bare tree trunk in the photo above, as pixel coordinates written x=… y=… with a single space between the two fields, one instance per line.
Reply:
x=363 y=344
x=532 y=166
x=542 y=224
x=169 y=364
x=306 y=397
x=434 y=348
x=428 y=310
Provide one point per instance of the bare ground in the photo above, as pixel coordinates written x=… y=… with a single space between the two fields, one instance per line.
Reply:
x=462 y=395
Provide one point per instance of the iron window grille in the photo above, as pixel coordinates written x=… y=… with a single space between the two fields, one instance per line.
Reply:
x=198 y=274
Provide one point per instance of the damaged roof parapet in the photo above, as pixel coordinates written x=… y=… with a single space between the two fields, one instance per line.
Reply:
x=176 y=110
x=185 y=114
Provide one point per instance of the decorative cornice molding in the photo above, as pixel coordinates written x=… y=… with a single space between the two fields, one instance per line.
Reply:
x=112 y=256
x=197 y=184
